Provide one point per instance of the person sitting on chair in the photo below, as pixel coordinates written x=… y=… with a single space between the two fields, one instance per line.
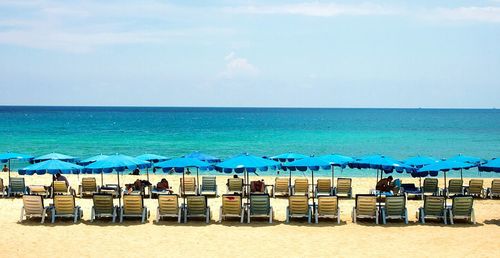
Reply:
x=163 y=186
x=385 y=185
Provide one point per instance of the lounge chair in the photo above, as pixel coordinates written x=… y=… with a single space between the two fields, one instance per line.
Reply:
x=189 y=187
x=494 y=190
x=411 y=190
x=253 y=187
x=208 y=186
x=328 y=207
x=64 y=207
x=112 y=189
x=168 y=206
x=433 y=208
x=365 y=207
x=3 y=189
x=60 y=187
x=323 y=187
x=298 y=207
x=133 y=207
x=455 y=187
x=395 y=208
x=33 y=207
x=301 y=187
x=462 y=208
x=38 y=190
x=88 y=187
x=235 y=185
x=260 y=206
x=231 y=207
x=343 y=187
x=103 y=207
x=281 y=187
x=430 y=186
x=476 y=188
x=17 y=187
x=197 y=207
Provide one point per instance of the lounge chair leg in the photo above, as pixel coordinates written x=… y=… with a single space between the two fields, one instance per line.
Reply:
x=406 y=216
x=185 y=215
x=44 y=213
x=445 y=219
x=309 y=215
x=338 y=216
x=353 y=214
x=473 y=216
x=287 y=215
x=53 y=216
x=220 y=214
x=114 y=215
x=157 y=214
x=271 y=215
x=316 y=217
x=384 y=220
x=22 y=214
x=248 y=216
x=242 y=216
x=121 y=215
x=179 y=216
x=208 y=215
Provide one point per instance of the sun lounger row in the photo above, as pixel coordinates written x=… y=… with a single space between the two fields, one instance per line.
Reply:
x=454 y=187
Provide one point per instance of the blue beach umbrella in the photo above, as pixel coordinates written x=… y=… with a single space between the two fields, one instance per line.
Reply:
x=246 y=163
x=465 y=159
x=443 y=166
x=382 y=163
x=152 y=158
x=203 y=157
x=180 y=165
x=92 y=159
x=491 y=166
x=52 y=166
x=337 y=160
x=418 y=162
x=288 y=157
x=310 y=163
x=55 y=155
x=8 y=156
x=118 y=163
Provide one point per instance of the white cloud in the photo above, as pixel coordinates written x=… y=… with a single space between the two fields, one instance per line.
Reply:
x=238 y=67
x=472 y=13
x=316 y=9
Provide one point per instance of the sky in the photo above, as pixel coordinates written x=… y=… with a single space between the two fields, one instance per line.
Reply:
x=436 y=54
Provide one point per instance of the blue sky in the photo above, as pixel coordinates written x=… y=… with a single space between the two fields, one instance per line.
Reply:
x=251 y=53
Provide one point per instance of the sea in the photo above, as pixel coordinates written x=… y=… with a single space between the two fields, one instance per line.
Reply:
x=226 y=132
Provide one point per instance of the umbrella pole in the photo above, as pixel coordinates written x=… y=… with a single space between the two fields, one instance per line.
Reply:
x=9 y=172
x=197 y=180
x=102 y=179
x=183 y=188
x=314 y=203
x=290 y=182
x=119 y=190
x=333 y=177
x=461 y=176
x=147 y=174
x=445 y=190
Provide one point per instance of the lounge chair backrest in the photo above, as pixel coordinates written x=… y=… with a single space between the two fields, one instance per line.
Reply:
x=343 y=185
x=64 y=204
x=168 y=204
x=37 y=189
x=17 y=184
x=476 y=186
x=189 y=185
x=395 y=205
x=301 y=185
x=327 y=205
x=462 y=205
x=103 y=203
x=1 y=184
x=455 y=185
x=434 y=205
x=231 y=204
x=366 y=205
x=235 y=184
x=260 y=204
x=495 y=186
x=281 y=184
x=60 y=187
x=430 y=185
x=133 y=204
x=324 y=185
x=196 y=205
x=89 y=184
x=33 y=204
x=208 y=183
x=299 y=204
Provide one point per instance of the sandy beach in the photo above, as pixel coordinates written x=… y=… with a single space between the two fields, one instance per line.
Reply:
x=232 y=239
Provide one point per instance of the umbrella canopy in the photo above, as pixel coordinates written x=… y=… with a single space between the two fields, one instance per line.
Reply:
x=381 y=162
x=6 y=157
x=309 y=163
x=52 y=167
x=288 y=157
x=245 y=162
x=57 y=156
x=337 y=160
x=465 y=159
x=116 y=162
x=180 y=164
x=152 y=157
x=92 y=159
x=203 y=157
x=491 y=166
x=445 y=166
x=419 y=161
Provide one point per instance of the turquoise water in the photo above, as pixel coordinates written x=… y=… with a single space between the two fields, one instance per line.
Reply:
x=224 y=132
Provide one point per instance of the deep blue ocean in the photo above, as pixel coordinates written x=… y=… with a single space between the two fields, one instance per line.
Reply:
x=224 y=132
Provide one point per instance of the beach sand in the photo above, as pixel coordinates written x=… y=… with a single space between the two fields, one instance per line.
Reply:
x=258 y=239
